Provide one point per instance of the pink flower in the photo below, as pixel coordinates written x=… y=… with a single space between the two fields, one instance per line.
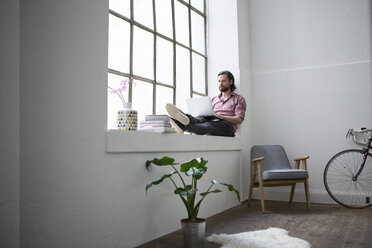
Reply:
x=123 y=88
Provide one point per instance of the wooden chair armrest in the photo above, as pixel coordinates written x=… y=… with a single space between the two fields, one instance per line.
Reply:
x=301 y=158
x=304 y=164
x=258 y=159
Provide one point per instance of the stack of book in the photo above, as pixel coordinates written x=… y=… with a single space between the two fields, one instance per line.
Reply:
x=156 y=123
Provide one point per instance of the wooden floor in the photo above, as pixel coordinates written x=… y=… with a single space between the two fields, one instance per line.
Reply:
x=324 y=226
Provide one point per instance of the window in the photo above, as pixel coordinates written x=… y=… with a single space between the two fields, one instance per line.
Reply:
x=158 y=48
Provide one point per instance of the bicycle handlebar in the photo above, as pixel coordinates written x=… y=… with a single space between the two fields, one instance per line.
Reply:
x=355 y=133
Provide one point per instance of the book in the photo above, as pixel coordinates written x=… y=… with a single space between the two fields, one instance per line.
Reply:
x=157 y=118
x=155 y=124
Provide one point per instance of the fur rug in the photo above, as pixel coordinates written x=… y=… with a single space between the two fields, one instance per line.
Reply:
x=269 y=238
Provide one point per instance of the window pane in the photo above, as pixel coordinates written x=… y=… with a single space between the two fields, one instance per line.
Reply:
x=143 y=53
x=197 y=32
x=164 y=17
x=120 y=6
x=164 y=95
x=182 y=23
x=143 y=12
x=119 y=40
x=199 y=4
x=164 y=61
x=142 y=98
x=114 y=103
x=183 y=76
x=198 y=76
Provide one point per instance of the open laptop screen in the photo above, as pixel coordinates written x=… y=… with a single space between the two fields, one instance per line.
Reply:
x=199 y=106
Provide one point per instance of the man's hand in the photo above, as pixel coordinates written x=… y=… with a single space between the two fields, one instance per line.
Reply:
x=232 y=119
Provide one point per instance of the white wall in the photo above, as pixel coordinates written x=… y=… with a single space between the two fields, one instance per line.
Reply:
x=9 y=124
x=74 y=194
x=246 y=130
x=311 y=72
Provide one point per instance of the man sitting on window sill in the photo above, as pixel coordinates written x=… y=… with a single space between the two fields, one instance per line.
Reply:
x=228 y=107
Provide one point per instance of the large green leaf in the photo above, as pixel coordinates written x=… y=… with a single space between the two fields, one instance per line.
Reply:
x=160 y=162
x=180 y=191
x=159 y=180
x=186 y=166
x=213 y=191
x=194 y=163
x=229 y=186
x=187 y=191
x=198 y=173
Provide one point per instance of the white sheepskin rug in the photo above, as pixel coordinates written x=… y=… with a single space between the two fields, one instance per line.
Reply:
x=269 y=238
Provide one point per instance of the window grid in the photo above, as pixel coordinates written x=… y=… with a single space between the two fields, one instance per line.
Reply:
x=133 y=23
x=154 y=58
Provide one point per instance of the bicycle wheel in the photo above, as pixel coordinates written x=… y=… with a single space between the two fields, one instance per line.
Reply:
x=339 y=183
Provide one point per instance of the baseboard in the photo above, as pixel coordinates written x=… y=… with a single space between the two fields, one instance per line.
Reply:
x=281 y=194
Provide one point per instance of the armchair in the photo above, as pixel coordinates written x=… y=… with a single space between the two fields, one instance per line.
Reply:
x=270 y=167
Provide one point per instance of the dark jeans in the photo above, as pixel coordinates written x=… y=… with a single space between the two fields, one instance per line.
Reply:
x=210 y=125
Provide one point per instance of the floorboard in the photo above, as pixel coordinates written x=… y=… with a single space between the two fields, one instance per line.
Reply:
x=325 y=225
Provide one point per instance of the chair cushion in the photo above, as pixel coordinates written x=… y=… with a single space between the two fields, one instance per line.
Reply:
x=284 y=174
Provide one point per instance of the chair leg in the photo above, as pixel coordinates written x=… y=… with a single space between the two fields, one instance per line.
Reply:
x=307 y=194
x=260 y=184
x=292 y=193
x=253 y=173
x=262 y=197
x=250 y=193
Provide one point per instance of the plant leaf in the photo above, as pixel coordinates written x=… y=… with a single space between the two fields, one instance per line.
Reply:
x=229 y=186
x=194 y=163
x=213 y=191
x=202 y=162
x=180 y=191
x=160 y=162
x=188 y=191
x=187 y=165
x=198 y=173
x=201 y=172
x=159 y=180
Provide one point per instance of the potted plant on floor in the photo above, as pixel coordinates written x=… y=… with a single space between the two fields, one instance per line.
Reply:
x=193 y=227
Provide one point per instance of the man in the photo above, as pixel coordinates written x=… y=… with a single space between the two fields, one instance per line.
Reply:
x=228 y=107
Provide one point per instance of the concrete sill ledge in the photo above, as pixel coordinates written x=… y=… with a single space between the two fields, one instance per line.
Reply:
x=132 y=141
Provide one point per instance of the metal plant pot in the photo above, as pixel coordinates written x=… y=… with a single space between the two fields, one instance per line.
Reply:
x=193 y=233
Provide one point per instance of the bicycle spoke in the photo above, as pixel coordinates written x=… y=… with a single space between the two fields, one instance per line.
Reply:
x=338 y=179
x=340 y=171
x=365 y=187
x=345 y=163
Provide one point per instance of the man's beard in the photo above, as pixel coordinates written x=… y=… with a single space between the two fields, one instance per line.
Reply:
x=224 y=89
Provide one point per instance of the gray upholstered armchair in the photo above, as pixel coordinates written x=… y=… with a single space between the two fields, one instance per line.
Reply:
x=270 y=167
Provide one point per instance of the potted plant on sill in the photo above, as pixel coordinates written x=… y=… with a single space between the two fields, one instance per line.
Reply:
x=192 y=226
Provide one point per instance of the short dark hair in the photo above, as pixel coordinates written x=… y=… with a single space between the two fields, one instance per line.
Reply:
x=230 y=76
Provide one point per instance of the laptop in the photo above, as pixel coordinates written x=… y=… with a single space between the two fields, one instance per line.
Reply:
x=199 y=106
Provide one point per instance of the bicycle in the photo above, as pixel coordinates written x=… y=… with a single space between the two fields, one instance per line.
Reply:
x=348 y=174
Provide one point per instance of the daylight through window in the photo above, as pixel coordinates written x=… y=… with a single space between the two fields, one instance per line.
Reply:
x=157 y=50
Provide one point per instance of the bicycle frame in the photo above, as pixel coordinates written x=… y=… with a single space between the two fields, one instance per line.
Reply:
x=365 y=151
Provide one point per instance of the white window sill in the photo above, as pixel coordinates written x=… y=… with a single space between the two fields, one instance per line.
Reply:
x=132 y=141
